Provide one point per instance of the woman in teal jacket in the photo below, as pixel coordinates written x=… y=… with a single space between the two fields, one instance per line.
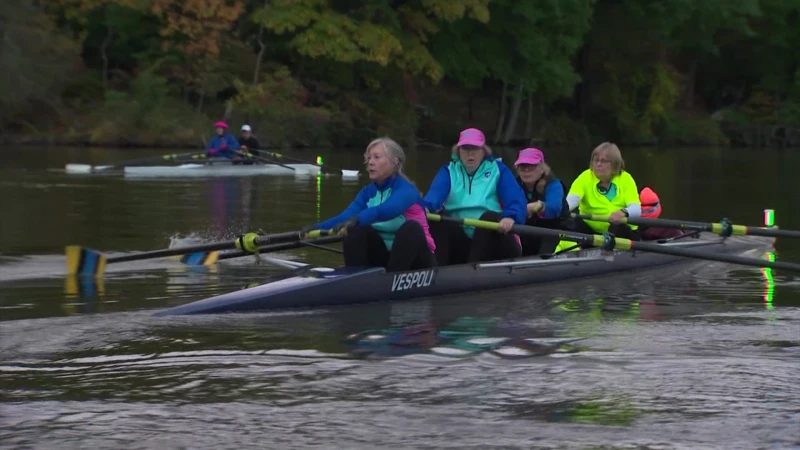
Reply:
x=475 y=185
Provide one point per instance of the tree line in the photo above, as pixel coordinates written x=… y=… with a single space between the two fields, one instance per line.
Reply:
x=339 y=72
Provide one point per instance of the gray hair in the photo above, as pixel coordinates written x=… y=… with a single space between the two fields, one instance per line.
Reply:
x=394 y=152
x=614 y=155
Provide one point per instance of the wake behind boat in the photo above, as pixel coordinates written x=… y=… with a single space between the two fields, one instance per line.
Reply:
x=310 y=286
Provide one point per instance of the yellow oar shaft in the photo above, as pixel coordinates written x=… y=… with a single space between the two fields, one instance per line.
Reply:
x=723 y=228
x=609 y=242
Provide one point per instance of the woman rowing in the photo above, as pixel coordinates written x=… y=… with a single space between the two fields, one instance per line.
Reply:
x=223 y=144
x=547 y=201
x=475 y=185
x=606 y=189
x=385 y=224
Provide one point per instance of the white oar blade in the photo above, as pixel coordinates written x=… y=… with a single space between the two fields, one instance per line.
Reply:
x=285 y=263
x=78 y=168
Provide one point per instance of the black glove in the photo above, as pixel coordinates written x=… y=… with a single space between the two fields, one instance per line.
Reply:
x=345 y=226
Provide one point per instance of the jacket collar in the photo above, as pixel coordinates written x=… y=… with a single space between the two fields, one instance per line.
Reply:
x=386 y=184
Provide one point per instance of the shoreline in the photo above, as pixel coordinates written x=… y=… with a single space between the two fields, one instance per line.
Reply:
x=738 y=137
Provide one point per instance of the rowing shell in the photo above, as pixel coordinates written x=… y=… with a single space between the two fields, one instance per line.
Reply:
x=321 y=287
x=220 y=170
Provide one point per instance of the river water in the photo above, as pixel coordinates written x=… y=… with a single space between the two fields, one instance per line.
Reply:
x=696 y=356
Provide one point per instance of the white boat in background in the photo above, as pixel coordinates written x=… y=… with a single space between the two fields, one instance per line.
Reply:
x=214 y=167
x=220 y=170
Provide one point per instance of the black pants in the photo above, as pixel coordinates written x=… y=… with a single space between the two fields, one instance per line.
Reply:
x=533 y=245
x=363 y=246
x=453 y=246
x=620 y=230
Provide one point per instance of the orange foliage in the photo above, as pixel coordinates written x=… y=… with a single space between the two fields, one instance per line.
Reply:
x=197 y=25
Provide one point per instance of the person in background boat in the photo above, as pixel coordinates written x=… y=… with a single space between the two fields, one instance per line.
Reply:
x=547 y=202
x=247 y=141
x=606 y=189
x=223 y=144
x=385 y=225
x=475 y=185
x=651 y=209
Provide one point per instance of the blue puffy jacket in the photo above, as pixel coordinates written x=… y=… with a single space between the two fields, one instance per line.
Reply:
x=223 y=146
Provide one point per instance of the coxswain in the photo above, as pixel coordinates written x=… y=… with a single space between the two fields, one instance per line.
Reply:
x=386 y=224
x=475 y=185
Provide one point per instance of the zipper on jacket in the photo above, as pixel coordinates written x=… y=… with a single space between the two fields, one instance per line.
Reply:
x=469 y=189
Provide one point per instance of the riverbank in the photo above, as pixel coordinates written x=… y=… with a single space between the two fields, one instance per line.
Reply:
x=754 y=136
x=132 y=122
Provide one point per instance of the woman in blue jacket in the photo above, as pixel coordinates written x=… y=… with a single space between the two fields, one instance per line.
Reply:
x=223 y=144
x=546 y=196
x=475 y=185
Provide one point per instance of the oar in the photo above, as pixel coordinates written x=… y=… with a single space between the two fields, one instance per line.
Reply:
x=724 y=228
x=263 y=159
x=344 y=172
x=200 y=258
x=85 y=261
x=608 y=242
x=86 y=168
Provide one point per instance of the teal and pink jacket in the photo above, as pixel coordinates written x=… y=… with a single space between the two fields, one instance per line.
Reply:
x=386 y=207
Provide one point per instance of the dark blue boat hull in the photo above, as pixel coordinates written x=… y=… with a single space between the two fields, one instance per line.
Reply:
x=348 y=286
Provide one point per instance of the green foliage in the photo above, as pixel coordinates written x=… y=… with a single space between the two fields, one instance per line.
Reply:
x=563 y=131
x=36 y=62
x=331 y=72
x=691 y=129
x=276 y=108
x=320 y=30
x=146 y=112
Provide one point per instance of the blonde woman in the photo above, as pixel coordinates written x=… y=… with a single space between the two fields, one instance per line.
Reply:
x=386 y=225
x=546 y=197
x=475 y=185
x=606 y=189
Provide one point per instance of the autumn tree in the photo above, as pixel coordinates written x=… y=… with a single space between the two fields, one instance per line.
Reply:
x=194 y=31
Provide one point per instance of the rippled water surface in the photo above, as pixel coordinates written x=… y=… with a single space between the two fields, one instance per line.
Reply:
x=694 y=356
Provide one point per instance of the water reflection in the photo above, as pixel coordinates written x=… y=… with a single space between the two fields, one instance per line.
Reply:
x=462 y=338
x=769 y=281
x=232 y=200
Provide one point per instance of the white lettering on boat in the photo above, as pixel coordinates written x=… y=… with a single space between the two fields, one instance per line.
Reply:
x=413 y=280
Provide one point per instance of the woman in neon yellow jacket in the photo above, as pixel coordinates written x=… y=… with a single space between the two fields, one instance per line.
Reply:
x=606 y=189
